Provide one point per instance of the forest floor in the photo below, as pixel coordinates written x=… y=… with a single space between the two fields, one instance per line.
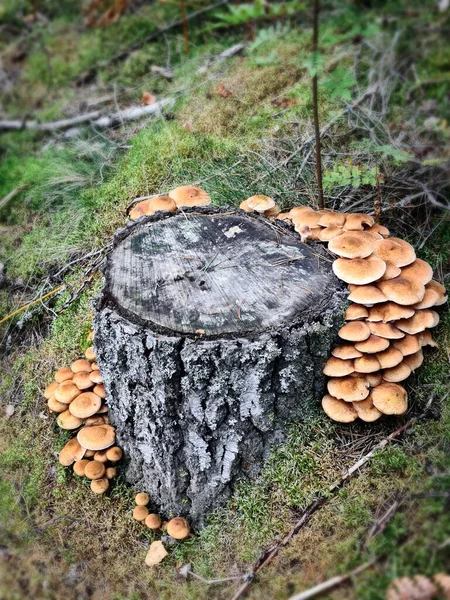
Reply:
x=235 y=126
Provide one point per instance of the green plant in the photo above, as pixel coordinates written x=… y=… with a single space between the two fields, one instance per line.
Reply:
x=349 y=175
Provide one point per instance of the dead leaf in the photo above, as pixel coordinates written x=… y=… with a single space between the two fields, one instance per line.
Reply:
x=148 y=98
x=285 y=102
x=223 y=91
x=411 y=588
x=156 y=554
x=9 y=410
x=187 y=126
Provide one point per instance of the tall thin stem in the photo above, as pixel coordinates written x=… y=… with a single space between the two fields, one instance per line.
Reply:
x=316 y=105
x=185 y=26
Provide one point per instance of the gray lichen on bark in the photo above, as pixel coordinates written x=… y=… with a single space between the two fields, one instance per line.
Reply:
x=197 y=413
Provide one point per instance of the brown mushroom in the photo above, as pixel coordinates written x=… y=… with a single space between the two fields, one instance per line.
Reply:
x=90 y=354
x=389 y=311
x=82 y=380
x=359 y=271
x=421 y=320
x=85 y=405
x=99 y=389
x=431 y=298
x=114 y=454
x=390 y=398
x=389 y=358
x=391 y=271
x=100 y=486
x=178 y=528
x=142 y=499
x=374 y=379
x=425 y=339
x=329 y=233
x=366 y=294
x=380 y=229
x=55 y=406
x=354 y=244
x=97 y=437
x=332 y=219
x=355 y=312
x=244 y=206
x=50 y=390
x=414 y=361
x=96 y=377
x=398 y=373
x=140 y=513
x=68 y=421
x=260 y=203
x=298 y=210
x=140 y=209
x=79 y=467
x=336 y=367
x=395 y=251
x=346 y=352
x=402 y=291
x=367 y=364
x=358 y=221
x=366 y=410
x=408 y=345
x=308 y=218
x=111 y=472
x=272 y=212
x=284 y=216
x=373 y=344
x=355 y=331
x=189 y=195
x=338 y=410
x=81 y=365
x=153 y=521
x=71 y=452
x=66 y=392
x=100 y=456
x=94 y=470
x=350 y=389
x=419 y=270
x=386 y=330
x=63 y=374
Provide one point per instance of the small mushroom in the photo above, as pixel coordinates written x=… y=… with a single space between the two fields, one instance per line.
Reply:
x=50 y=390
x=391 y=272
x=366 y=294
x=373 y=344
x=111 y=472
x=395 y=251
x=380 y=229
x=367 y=364
x=155 y=554
x=419 y=270
x=421 y=320
x=390 y=398
x=309 y=218
x=79 y=466
x=66 y=392
x=338 y=410
x=425 y=339
x=346 y=352
x=95 y=377
x=142 y=499
x=100 y=486
x=355 y=331
x=190 y=195
x=359 y=271
x=71 y=452
x=355 y=244
x=244 y=206
x=178 y=528
x=298 y=210
x=431 y=298
x=66 y=420
x=55 y=406
x=408 y=345
x=114 y=454
x=358 y=221
x=90 y=354
x=81 y=365
x=100 y=455
x=389 y=358
x=94 y=470
x=389 y=311
x=140 y=513
x=82 y=380
x=366 y=410
x=99 y=389
x=260 y=203
x=414 y=361
x=153 y=521
x=85 y=405
x=284 y=216
x=272 y=212
x=355 y=312
x=385 y=330
x=350 y=389
x=332 y=219
x=374 y=379
x=97 y=437
x=329 y=233
x=336 y=367
x=63 y=374
x=440 y=289
x=402 y=291
x=398 y=373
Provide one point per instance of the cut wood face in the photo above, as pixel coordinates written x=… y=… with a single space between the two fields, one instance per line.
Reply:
x=217 y=274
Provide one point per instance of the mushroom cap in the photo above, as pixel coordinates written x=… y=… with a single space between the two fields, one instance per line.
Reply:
x=355 y=331
x=140 y=209
x=50 y=390
x=329 y=233
x=386 y=330
x=431 y=298
x=366 y=294
x=434 y=285
x=260 y=203
x=338 y=410
x=373 y=344
x=99 y=389
x=390 y=398
x=100 y=486
x=90 y=354
x=82 y=380
x=356 y=311
x=97 y=437
x=346 y=352
x=284 y=216
x=353 y=244
x=350 y=389
x=66 y=392
x=391 y=271
x=66 y=420
x=103 y=409
x=359 y=271
x=85 y=405
x=79 y=467
x=161 y=203
x=357 y=221
x=63 y=374
x=100 y=456
x=332 y=219
x=178 y=528
x=374 y=379
x=189 y=195
x=366 y=410
x=111 y=472
x=155 y=554
x=425 y=339
x=419 y=270
x=309 y=218
x=402 y=291
x=367 y=364
x=96 y=377
x=408 y=345
x=140 y=513
x=421 y=320
x=244 y=206
x=396 y=251
x=81 y=365
x=298 y=210
x=153 y=521
x=336 y=367
x=95 y=366
x=142 y=499
x=114 y=454
x=94 y=470
x=398 y=373
x=96 y=420
x=55 y=406
x=272 y=212
x=71 y=452
x=390 y=311
x=380 y=229
x=389 y=358
x=414 y=361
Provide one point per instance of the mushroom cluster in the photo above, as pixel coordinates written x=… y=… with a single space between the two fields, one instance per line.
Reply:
x=177 y=528
x=184 y=196
x=392 y=294
x=78 y=396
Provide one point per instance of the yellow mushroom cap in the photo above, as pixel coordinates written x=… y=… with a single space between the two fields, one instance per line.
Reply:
x=153 y=521
x=338 y=410
x=389 y=311
x=386 y=330
x=81 y=365
x=66 y=392
x=155 y=554
x=367 y=364
x=346 y=352
x=178 y=528
x=66 y=420
x=373 y=344
x=140 y=513
x=380 y=229
x=99 y=389
x=374 y=379
x=402 y=291
x=63 y=374
x=298 y=210
x=94 y=470
x=140 y=209
x=161 y=203
x=431 y=298
x=421 y=320
x=359 y=271
x=366 y=410
x=244 y=206
x=85 y=405
x=414 y=361
x=82 y=380
x=90 y=354
x=366 y=294
x=355 y=331
x=272 y=212
x=356 y=311
x=354 y=244
x=79 y=467
x=100 y=456
x=114 y=454
x=329 y=233
x=357 y=221
x=55 y=406
x=190 y=195
x=399 y=373
x=336 y=367
x=142 y=499
x=260 y=203
x=96 y=377
x=391 y=271
x=396 y=251
x=350 y=389
x=111 y=472
x=389 y=358
x=307 y=218
x=97 y=437
x=419 y=270
x=390 y=398
x=100 y=486
x=50 y=390
x=408 y=345
x=71 y=452
x=425 y=339
x=332 y=219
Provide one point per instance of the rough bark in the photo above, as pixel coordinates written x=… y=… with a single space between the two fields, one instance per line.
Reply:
x=211 y=341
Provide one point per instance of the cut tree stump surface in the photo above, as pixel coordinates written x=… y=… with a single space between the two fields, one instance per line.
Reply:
x=211 y=332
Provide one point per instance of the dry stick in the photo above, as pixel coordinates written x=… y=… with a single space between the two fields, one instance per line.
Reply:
x=22 y=308
x=269 y=554
x=4 y=201
x=185 y=26
x=316 y=105
x=90 y=73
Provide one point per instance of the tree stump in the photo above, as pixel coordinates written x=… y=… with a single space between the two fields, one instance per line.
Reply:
x=211 y=333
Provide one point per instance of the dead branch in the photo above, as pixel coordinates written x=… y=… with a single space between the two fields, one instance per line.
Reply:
x=270 y=553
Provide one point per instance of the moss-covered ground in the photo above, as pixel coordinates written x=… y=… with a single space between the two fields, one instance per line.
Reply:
x=236 y=129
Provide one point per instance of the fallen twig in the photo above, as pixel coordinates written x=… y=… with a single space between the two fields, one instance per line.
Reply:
x=22 y=308
x=4 y=201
